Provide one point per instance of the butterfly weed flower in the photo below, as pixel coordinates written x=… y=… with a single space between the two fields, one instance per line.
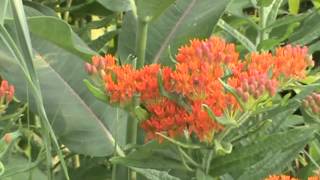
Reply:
x=196 y=80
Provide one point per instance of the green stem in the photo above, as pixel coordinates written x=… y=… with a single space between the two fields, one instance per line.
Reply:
x=208 y=163
x=263 y=35
x=67 y=13
x=141 y=42
x=132 y=129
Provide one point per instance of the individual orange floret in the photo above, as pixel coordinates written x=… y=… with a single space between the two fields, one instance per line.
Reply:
x=213 y=50
x=147 y=81
x=280 y=177
x=195 y=79
x=201 y=123
x=6 y=91
x=166 y=117
x=120 y=84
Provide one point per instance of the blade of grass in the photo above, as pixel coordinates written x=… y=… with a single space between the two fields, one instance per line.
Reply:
x=26 y=47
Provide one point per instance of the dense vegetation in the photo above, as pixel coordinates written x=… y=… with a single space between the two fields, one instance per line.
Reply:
x=159 y=89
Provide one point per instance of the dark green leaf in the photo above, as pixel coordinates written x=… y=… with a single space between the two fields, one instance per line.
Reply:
x=116 y=5
x=151 y=9
x=59 y=33
x=267 y=155
x=182 y=21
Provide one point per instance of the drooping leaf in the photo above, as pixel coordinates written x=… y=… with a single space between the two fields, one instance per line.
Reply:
x=59 y=33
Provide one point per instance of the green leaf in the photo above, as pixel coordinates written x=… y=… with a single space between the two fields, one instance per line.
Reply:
x=314 y=47
x=19 y=168
x=152 y=155
x=98 y=93
x=59 y=33
x=116 y=5
x=308 y=31
x=221 y=120
x=3 y=10
x=267 y=155
x=141 y=113
x=78 y=118
x=236 y=34
x=151 y=9
x=202 y=176
x=265 y=3
x=294 y=6
x=272 y=16
x=152 y=174
x=316 y=3
x=182 y=21
x=272 y=42
x=101 y=41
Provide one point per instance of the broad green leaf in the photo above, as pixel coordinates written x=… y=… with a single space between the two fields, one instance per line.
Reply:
x=151 y=9
x=116 y=5
x=267 y=155
x=314 y=47
x=44 y=10
x=182 y=21
x=308 y=31
x=59 y=33
x=78 y=118
x=294 y=6
x=236 y=7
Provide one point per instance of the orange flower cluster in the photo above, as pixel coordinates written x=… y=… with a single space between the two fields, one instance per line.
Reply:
x=6 y=91
x=288 y=62
x=284 y=177
x=195 y=80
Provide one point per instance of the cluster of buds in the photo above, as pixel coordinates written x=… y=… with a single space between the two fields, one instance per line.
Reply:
x=99 y=65
x=312 y=103
x=256 y=85
x=6 y=92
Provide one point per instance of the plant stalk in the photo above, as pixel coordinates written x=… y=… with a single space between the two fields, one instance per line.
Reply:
x=141 y=42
